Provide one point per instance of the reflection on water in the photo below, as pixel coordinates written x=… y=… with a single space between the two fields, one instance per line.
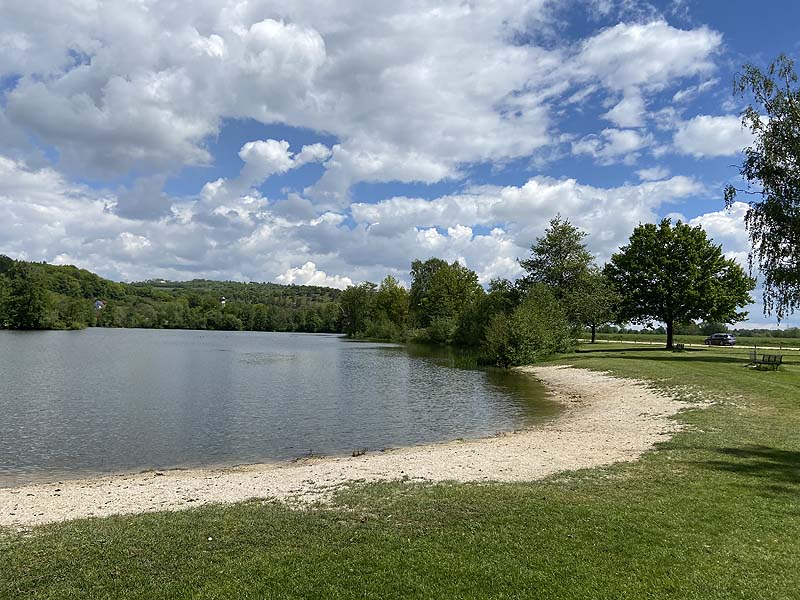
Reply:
x=110 y=400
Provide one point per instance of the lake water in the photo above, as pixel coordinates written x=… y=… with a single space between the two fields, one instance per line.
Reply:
x=121 y=400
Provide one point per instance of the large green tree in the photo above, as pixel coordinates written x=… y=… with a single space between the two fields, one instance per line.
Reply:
x=29 y=301
x=559 y=259
x=440 y=291
x=5 y=291
x=593 y=300
x=675 y=274
x=357 y=305
x=501 y=299
x=771 y=168
x=391 y=300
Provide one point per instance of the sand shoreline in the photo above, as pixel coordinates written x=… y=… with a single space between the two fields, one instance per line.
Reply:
x=606 y=420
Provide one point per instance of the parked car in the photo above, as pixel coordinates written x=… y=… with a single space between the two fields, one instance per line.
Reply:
x=720 y=339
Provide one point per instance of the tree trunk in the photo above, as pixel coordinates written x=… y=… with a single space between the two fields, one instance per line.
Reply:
x=669 y=334
x=594 y=330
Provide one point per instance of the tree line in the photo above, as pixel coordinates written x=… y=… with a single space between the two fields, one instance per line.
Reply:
x=42 y=296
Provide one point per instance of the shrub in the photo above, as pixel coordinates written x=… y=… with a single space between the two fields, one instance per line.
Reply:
x=536 y=329
x=382 y=328
x=441 y=330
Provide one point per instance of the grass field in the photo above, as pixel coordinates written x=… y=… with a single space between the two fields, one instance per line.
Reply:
x=712 y=514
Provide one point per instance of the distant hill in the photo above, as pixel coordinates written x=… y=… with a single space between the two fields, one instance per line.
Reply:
x=43 y=296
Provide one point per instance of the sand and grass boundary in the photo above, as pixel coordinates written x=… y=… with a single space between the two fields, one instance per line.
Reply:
x=606 y=420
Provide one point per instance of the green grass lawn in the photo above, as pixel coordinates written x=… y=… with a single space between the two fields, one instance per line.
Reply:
x=714 y=513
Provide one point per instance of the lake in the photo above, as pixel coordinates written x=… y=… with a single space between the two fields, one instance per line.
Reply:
x=121 y=400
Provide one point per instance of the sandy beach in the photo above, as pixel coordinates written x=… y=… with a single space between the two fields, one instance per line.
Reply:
x=606 y=420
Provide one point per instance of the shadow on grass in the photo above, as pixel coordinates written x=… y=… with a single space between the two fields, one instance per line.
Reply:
x=660 y=354
x=741 y=357
x=777 y=470
x=619 y=350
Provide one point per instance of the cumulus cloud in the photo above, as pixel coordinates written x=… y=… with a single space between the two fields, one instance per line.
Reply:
x=629 y=112
x=653 y=173
x=613 y=145
x=143 y=85
x=309 y=275
x=145 y=199
x=264 y=158
x=521 y=213
x=238 y=197
x=144 y=88
x=311 y=154
x=639 y=59
x=648 y=56
x=413 y=91
x=709 y=136
x=726 y=227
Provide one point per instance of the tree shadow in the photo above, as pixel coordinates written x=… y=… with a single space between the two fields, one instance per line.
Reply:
x=741 y=357
x=776 y=470
x=742 y=360
x=661 y=354
x=626 y=349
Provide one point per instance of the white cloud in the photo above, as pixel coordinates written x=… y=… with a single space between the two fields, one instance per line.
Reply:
x=690 y=93
x=629 y=112
x=709 y=136
x=143 y=85
x=248 y=237
x=51 y=219
x=522 y=212
x=639 y=59
x=726 y=227
x=309 y=275
x=613 y=145
x=653 y=173
x=413 y=91
x=374 y=162
x=648 y=56
x=311 y=154
x=264 y=158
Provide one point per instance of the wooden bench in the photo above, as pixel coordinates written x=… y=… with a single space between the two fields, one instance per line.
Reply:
x=678 y=348
x=773 y=361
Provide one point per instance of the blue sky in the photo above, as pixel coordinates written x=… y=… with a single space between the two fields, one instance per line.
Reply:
x=326 y=143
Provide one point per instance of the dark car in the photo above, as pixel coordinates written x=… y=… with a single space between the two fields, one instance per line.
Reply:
x=720 y=339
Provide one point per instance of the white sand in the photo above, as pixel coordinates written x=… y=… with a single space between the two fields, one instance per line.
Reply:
x=606 y=420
